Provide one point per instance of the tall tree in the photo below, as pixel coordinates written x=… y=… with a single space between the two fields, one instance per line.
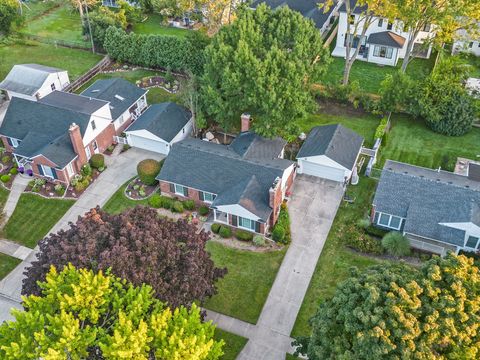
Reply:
x=81 y=5
x=81 y=314
x=398 y=312
x=264 y=63
x=10 y=14
x=442 y=17
x=137 y=245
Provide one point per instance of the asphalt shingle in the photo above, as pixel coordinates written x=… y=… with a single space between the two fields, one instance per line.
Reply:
x=27 y=78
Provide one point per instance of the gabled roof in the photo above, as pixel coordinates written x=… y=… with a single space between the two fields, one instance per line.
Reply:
x=337 y=142
x=164 y=120
x=387 y=38
x=252 y=146
x=120 y=93
x=356 y=9
x=27 y=79
x=73 y=102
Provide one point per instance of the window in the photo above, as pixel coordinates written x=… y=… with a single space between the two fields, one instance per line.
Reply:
x=470 y=45
x=380 y=23
x=94 y=126
x=383 y=52
x=472 y=242
x=355 y=41
x=180 y=190
x=208 y=197
x=53 y=87
x=47 y=171
x=390 y=221
x=427 y=27
x=246 y=223
x=88 y=152
x=95 y=145
x=390 y=25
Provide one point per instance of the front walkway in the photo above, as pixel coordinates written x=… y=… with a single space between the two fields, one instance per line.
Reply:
x=19 y=184
x=120 y=169
x=13 y=249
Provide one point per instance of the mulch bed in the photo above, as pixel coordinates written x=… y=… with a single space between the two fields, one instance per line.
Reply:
x=159 y=81
x=135 y=187
x=108 y=152
x=72 y=193
x=5 y=170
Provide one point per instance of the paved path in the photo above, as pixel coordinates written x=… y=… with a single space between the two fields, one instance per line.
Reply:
x=119 y=169
x=18 y=186
x=13 y=249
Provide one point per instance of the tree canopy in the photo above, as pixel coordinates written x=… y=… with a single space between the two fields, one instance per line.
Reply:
x=263 y=64
x=393 y=311
x=81 y=314
x=9 y=15
x=138 y=246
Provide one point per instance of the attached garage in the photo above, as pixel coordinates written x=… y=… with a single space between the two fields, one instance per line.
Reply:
x=160 y=126
x=330 y=152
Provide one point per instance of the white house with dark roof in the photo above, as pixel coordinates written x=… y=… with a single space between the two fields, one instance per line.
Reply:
x=330 y=152
x=466 y=43
x=33 y=81
x=385 y=41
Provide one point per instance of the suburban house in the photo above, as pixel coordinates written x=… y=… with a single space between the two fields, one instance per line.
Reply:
x=385 y=41
x=126 y=100
x=310 y=9
x=159 y=127
x=57 y=134
x=437 y=210
x=33 y=81
x=244 y=183
x=330 y=152
x=464 y=43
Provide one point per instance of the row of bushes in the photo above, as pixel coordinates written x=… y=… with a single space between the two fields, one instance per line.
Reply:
x=281 y=231
x=159 y=201
x=226 y=232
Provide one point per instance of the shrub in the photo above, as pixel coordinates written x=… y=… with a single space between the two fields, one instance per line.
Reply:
x=396 y=244
x=381 y=128
x=13 y=171
x=6 y=159
x=155 y=201
x=5 y=178
x=278 y=233
x=166 y=202
x=147 y=170
x=363 y=223
x=244 y=235
x=59 y=189
x=125 y=147
x=80 y=186
x=375 y=231
x=215 y=228
x=97 y=161
x=284 y=223
x=259 y=240
x=189 y=205
x=225 y=232
x=86 y=170
x=362 y=242
x=203 y=210
x=110 y=148
x=177 y=206
x=142 y=192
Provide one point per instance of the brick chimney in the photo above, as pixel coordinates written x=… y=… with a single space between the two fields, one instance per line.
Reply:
x=77 y=143
x=245 y=126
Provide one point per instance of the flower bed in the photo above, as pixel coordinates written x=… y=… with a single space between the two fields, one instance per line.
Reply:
x=8 y=170
x=169 y=84
x=82 y=181
x=136 y=190
x=45 y=188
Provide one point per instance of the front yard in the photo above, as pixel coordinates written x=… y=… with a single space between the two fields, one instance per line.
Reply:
x=119 y=202
x=33 y=218
x=3 y=197
x=7 y=264
x=233 y=344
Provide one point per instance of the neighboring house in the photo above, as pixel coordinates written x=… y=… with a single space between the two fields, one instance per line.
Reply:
x=330 y=152
x=57 y=134
x=437 y=210
x=385 y=41
x=33 y=81
x=244 y=183
x=114 y=3
x=127 y=101
x=465 y=43
x=159 y=127
x=309 y=9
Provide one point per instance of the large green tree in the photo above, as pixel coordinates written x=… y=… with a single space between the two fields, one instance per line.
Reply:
x=10 y=13
x=81 y=314
x=398 y=312
x=263 y=64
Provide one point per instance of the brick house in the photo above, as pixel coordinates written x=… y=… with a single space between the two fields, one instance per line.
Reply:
x=244 y=183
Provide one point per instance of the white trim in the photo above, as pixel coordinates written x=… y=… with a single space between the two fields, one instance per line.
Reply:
x=389 y=220
x=183 y=189
x=246 y=228
x=44 y=172
x=217 y=220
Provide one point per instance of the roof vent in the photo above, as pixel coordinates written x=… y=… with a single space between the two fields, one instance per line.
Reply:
x=119 y=97
x=95 y=91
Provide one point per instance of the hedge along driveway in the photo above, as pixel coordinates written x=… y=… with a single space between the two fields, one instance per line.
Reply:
x=33 y=217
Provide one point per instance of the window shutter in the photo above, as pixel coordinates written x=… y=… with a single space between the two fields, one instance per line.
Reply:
x=257 y=227
x=172 y=188
x=40 y=169
x=234 y=220
x=54 y=173
x=185 y=191
x=9 y=141
x=201 y=196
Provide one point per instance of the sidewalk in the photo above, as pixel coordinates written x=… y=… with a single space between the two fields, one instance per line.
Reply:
x=18 y=186
x=13 y=249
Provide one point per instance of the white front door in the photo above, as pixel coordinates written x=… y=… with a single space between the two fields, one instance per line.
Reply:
x=47 y=171
x=88 y=152
x=69 y=170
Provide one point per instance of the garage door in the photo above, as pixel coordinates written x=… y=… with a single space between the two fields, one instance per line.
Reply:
x=147 y=144
x=322 y=171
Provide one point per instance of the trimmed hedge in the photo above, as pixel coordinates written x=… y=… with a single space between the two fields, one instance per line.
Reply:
x=281 y=231
x=203 y=210
x=215 y=228
x=244 y=235
x=147 y=170
x=278 y=233
x=189 y=205
x=381 y=128
x=225 y=232
x=177 y=207
x=155 y=201
x=5 y=178
x=97 y=161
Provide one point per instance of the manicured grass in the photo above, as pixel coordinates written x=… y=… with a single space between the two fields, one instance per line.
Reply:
x=412 y=142
x=7 y=264
x=154 y=25
x=336 y=260
x=233 y=344
x=62 y=23
x=75 y=61
x=33 y=9
x=33 y=218
x=243 y=291
x=3 y=197
x=291 y=357
x=119 y=202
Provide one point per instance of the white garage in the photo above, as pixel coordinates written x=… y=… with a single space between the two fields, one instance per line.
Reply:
x=330 y=152
x=160 y=126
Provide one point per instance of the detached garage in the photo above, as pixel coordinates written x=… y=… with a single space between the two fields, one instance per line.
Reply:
x=160 y=126
x=330 y=152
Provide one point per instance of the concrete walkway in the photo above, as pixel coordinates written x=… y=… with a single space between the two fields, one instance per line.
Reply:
x=119 y=169
x=18 y=186
x=13 y=249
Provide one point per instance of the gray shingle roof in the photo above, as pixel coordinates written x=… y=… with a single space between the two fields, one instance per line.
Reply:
x=252 y=146
x=164 y=120
x=27 y=79
x=219 y=169
x=334 y=141
x=108 y=89
x=387 y=38
x=356 y=9
x=426 y=198
x=73 y=102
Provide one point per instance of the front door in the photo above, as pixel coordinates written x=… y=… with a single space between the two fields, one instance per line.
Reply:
x=95 y=147
x=88 y=152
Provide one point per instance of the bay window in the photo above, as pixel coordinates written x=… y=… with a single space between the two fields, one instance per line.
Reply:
x=383 y=51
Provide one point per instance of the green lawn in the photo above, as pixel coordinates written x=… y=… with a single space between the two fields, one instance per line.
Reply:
x=75 y=61
x=33 y=218
x=119 y=202
x=153 y=25
x=233 y=344
x=7 y=264
x=243 y=291
x=62 y=23
x=412 y=142
x=336 y=260
x=34 y=9
x=3 y=197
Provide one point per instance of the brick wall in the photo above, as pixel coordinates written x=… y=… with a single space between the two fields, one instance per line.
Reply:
x=192 y=193
x=5 y=144
x=41 y=160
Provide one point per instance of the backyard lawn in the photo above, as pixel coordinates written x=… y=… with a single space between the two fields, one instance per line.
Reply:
x=243 y=291
x=153 y=25
x=233 y=344
x=412 y=142
x=7 y=264
x=33 y=218
x=336 y=260
x=119 y=202
x=75 y=61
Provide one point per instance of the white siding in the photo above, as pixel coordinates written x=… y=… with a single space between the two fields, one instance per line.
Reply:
x=147 y=143
x=60 y=80
x=184 y=133
x=103 y=119
x=238 y=211
x=323 y=167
